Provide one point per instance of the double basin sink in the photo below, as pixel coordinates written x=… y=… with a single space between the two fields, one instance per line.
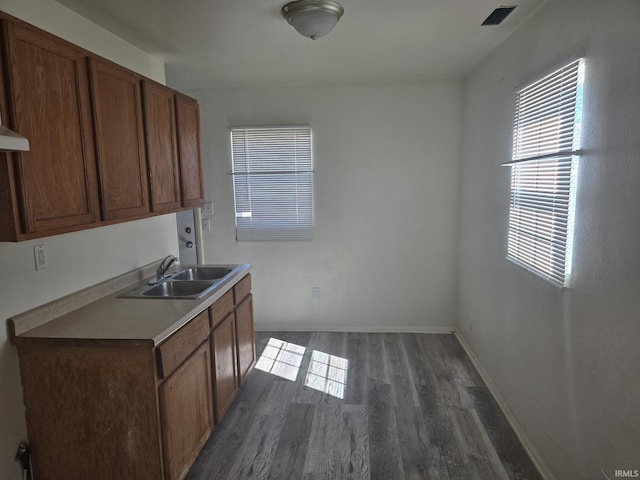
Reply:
x=189 y=282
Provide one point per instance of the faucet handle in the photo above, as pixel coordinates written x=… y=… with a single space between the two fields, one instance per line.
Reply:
x=164 y=265
x=167 y=261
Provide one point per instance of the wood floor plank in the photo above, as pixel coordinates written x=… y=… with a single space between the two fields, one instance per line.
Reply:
x=354 y=451
x=289 y=392
x=505 y=441
x=422 y=457
x=289 y=458
x=418 y=359
x=339 y=445
x=385 y=459
x=321 y=459
x=428 y=397
x=357 y=376
x=403 y=386
x=451 y=391
x=260 y=445
x=377 y=363
x=379 y=393
x=475 y=445
x=411 y=407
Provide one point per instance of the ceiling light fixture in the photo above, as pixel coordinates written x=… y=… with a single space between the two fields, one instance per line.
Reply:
x=313 y=18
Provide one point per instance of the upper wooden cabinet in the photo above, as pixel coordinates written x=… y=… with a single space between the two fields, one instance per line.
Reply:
x=162 y=153
x=120 y=146
x=188 y=122
x=99 y=155
x=51 y=188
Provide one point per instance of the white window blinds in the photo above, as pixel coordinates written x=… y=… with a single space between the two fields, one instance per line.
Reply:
x=272 y=170
x=546 y=137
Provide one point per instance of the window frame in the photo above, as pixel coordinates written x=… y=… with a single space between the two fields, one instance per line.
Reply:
x=544 y=167
x=273 y=182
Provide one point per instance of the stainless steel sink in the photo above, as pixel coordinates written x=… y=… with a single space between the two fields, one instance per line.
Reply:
x=172 y=289
x=203 y=273
x=179 y=289
x=185 y=282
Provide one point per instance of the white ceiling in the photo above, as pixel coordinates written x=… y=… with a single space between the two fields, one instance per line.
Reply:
x=241 y=43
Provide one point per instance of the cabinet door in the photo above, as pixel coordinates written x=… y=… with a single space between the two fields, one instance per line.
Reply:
x=185 y=413
x=117 y=115
x=225 y=379
x=188 y=123
x=49 y=104
x=245 y=337
x=162 y=154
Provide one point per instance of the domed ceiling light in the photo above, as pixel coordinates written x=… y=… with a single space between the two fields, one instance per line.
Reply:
x=313 y=18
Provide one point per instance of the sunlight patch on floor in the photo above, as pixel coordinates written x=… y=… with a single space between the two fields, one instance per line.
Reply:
x=281 y=358
x=327 y=373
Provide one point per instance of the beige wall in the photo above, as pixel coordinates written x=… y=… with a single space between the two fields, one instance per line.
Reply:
x=566 y=361
x=76 y=259
x=386 y=190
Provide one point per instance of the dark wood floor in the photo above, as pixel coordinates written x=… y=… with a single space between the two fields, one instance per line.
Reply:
x=413 y=407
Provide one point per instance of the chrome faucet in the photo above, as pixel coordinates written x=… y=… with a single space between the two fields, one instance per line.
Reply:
x=165 y=264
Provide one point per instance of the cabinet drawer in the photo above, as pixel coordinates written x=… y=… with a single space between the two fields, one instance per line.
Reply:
x=242 y=289
x=181 y=344
x=221 y=308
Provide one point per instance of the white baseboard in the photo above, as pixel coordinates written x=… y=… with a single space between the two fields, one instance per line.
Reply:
x=273 y=327
x=513 y=421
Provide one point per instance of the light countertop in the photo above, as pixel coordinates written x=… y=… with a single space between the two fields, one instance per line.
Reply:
x=111 y=318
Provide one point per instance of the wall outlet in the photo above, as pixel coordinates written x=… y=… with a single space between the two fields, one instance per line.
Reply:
x=206 y=224
x=207 y=208
x=315 y=293
x=41 y=257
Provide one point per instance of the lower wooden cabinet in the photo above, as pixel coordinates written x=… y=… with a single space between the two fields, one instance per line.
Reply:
x=185 y=398
x=91 y=411
x=225 y=377
x=186 y=413
x=128 y=409
x=233 y=343
x=245 y=337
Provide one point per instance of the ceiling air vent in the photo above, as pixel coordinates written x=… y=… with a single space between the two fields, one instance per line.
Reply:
x=498 y=15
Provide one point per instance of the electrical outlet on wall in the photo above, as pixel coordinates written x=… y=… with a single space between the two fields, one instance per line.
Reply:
x=41 y=257
x=315 y=293
x=207 y=208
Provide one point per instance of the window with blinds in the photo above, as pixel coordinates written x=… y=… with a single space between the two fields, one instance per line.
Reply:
x=546 y=146
x=272 y=169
